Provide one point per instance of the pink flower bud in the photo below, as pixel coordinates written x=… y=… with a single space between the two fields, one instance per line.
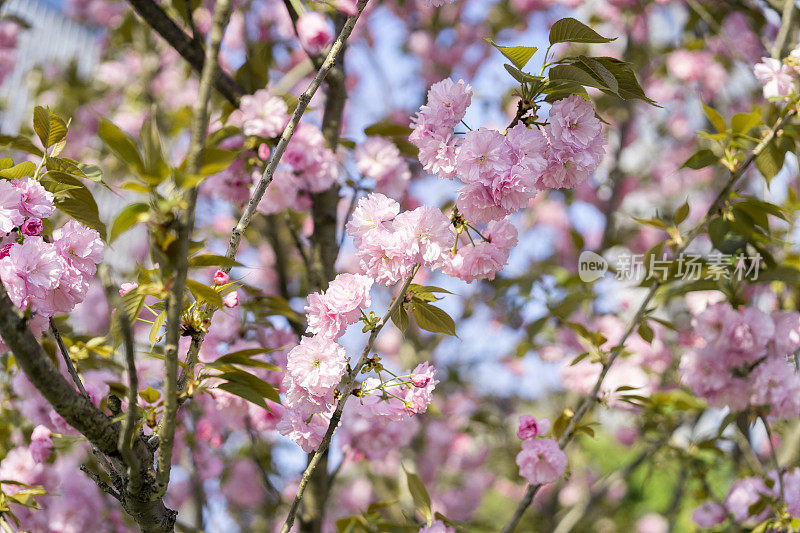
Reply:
x=125 y=288
x=530 y=428
x=221 y=278
x=263 y=151
x=315 y=32
x=5 y=250
x=32 y=226
x=231 y=300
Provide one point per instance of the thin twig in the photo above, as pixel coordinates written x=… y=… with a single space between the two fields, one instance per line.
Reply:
x=129 y=423
x=67 y=359
x=105 y=487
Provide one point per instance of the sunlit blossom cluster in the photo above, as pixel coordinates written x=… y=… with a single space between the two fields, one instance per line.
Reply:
x=316 y=366
x=46 y=274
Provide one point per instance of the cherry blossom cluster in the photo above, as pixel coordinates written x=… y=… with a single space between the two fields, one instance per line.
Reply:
x=777 y=77
x=316 y=366
x=502 y=173
x=744 y=357
x=47 y=276
x=308 y=165
x=541 y=459
x=745 y=493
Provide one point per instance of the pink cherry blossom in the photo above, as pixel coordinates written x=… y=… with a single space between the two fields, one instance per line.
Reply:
x=261 y=114
x=221 y=278
x=41 y=444
x=80 y=246
x=231 y=299
x=541 y=461
x=530 y=427
x=35 y=201
x=776 y=77
x=11 y=214
x=316 y=364
x=314 y=31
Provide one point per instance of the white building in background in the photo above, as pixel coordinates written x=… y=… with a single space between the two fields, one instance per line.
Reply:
x=52 y=37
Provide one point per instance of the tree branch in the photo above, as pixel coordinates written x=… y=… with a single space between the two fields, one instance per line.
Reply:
x=175 y=298
x=191 y=49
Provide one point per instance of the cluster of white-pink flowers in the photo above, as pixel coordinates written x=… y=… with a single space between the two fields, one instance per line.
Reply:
x=541 y=459
x=744 y=357
x=502 y=173
x=47 y=276
x=316 y=366
x=777 y=77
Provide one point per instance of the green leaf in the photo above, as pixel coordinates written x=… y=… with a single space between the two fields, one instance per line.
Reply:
x=518 y=55
x=422 y=500
x=129 y=217
x=73 y=198
x=744 y=122
x=212 y=260
x=120 y=144
x=558 y=89
x=577 y=75
x=216 y=160
x=681 y=213
x=522 y=77
x=154 y=167
x=48 y=127
x=400 y=318
x=387 y=128
x=244 y=392
x=569 y=30
x=256 y=384
x=700 y=159
x=433 y=319
x=600 y=72
x=629 y=87
x=646 y=332
x=204 y=293
x=770 y=161
x=18 y=142
x=716 y=119
x=24 y=169
x=245 y=357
